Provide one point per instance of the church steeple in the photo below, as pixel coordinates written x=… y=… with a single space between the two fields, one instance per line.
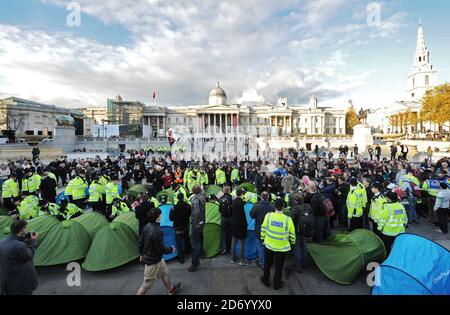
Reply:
x=423 y=75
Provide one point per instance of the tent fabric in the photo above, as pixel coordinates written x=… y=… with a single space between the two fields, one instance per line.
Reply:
x=169 y=240
x=65 y=242
x=212 y=190
x=5 y=223
x=250 y=243
x=92 y=222
x=42 y=225
x=248 y=187
x=416 y=266
x=60 y=197
x=212 y=230
x=3 y=211
x=344 y=255
x=137 y=189
x=129 y=219
x=114 y=245
x=165 y=212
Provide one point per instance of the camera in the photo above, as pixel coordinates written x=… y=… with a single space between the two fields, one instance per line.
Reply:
x=29 y=235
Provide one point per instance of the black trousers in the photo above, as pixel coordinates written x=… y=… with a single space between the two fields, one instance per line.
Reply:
x=180 y=236
x=443 y=219
x=98 y=207
x=388 y=241
x=8 y=203
x=356 y=223
x=80 y=203
x=269 y=258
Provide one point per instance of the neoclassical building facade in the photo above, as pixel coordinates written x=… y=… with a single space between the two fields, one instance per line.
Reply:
x=219 y=117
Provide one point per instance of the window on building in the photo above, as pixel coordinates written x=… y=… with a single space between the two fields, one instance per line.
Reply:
x=427 y=80
x=420 y=59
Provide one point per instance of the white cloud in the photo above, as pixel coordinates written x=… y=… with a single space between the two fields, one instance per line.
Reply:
x=258 y=50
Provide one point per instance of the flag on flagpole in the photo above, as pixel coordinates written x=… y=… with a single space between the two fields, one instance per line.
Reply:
x=154 y=94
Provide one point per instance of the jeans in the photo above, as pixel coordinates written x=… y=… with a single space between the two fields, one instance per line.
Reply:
x=342 y=213
x=322 y=229
x=241 y=249
x=412 y=214
x=226 y=233
x=300 y=252
x=279 y=258
x=180 y=236
x=196 y=244
x=261 y=252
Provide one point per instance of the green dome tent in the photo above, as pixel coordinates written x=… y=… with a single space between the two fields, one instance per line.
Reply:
x=3 y=211
x=248 y=187
x=42 y=225
x=171 y=198
x=5 y=223
x=92 y=222
x=344 y=255
x=137 y=189
x=129 y=219
x=114 y=245
x=212 y=230
x=212 y=190
x=65 y=242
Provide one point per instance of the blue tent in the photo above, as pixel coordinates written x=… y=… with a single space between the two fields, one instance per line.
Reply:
x=167 y=229
x=251 y=243
x=416 y=266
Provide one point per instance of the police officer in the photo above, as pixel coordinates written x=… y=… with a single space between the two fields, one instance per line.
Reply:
x=111 y=192
x=50 y=209
x=10 y=192
x=29 y=207
x=278 y=235
x=235 y=176
x=355 y=205
x=118 y=207
x=392 y=220
x=29 y=184
x=221 y=177
x=96 y=195
x=376 y=205
x=76 y=189
x=69 y=210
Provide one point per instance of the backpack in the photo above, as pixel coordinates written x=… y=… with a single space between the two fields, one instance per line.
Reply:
x=225 y=206
x=328 y=207
x=306 y=226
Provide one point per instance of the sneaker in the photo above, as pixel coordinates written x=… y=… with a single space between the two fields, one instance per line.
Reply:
x=439 y=230
x=224 y=252
x=242 y=263
x=175 y=289
x=233 y=261
x=416 y=222
x=192 y=268
x=259 y=266
x=266 y=283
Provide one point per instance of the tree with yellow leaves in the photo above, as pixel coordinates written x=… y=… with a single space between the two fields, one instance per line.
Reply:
x=436 y=105
x=351 y=119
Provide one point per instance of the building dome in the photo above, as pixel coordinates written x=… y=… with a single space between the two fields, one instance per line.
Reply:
x=217 y=96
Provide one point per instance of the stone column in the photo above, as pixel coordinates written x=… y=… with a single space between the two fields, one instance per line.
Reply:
x=284 y=125
x=157 y=125
x=220 y=123
x=226 y=123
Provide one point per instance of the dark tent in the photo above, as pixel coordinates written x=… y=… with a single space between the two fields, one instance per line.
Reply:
x=92 y=222
x=114 y=245
x=66 y=242
x=344 y=255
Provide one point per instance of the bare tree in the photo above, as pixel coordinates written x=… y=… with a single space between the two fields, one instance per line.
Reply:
x=11 y=123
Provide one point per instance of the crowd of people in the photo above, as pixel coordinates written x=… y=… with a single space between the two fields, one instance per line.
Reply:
x=297 y=199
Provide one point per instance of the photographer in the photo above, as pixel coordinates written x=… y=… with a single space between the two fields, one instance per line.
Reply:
x=17 y=273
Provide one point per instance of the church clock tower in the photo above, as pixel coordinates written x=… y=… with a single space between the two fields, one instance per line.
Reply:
x=423 y=75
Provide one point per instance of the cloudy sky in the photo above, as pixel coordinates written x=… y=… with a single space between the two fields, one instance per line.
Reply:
x=258 y=50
